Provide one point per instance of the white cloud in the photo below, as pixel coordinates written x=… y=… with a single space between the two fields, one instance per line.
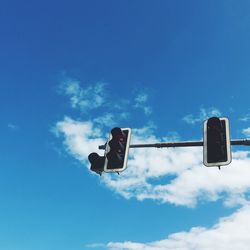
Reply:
x=124 y=115
x=171 y=136
x=96 y=245
x=245 y=118
x=190 y=180
x=246 y=132
x=140 y=102
x=141 y=98
x=90 y=97
x=80 y=138
x=106 y=120
x=12 y=126
x=229 y=233
x=111 y=120
x=203 y=115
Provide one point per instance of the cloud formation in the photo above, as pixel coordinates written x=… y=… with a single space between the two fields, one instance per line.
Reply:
x=80 y=138
x=229 y=233
x=12 y=126
x=203 y=115
x=245 y=118
x=246 y=131
x=141 y=103
x=90 y=97
x=189 y=181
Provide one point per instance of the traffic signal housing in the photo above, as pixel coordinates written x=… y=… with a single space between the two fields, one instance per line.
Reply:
x=116 y=153
x=97 y=163
x=216 y=143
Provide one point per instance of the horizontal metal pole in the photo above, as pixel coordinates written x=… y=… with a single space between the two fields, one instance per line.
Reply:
x=245 y=142
x=169 y=144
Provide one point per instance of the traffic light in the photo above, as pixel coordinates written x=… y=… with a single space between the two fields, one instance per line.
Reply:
x=97 y=163
x=216 y=143
x=116 y=153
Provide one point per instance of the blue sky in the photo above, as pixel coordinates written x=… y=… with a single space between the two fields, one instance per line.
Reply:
x=70 y=71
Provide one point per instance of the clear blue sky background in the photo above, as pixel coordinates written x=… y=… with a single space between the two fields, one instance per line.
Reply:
x=184 y=57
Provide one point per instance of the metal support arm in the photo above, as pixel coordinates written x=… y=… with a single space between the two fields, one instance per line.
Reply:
x=245 y=142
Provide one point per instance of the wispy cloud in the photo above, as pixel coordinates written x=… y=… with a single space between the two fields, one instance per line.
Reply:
x=12 y=126
x=87 y=98
x=245 y=118
x=107 y=120
x=203 y=115
x=91 y=97
x=246 y=131
x=231 y=232
x=141 y=102
x=96 y=245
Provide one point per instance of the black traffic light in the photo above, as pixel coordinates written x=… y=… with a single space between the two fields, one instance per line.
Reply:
x=217 y=148
x=97 y=163
x=117 y=150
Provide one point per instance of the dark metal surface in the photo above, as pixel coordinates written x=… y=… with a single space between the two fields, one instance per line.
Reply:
x=245 y=142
